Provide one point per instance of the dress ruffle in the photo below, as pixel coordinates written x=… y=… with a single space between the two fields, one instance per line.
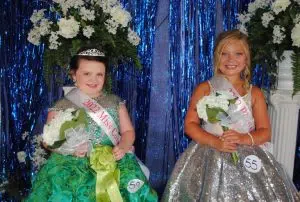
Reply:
x=68 y=178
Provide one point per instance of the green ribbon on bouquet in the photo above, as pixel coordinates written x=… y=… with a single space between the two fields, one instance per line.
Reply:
x=234 y=155
x=108 y=175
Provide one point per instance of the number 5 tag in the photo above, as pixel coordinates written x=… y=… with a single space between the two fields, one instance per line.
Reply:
x=252 y=164
x=134 y=185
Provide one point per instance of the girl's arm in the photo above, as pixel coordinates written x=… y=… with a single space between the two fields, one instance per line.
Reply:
x=262 y=131
x=192 y=123
x=127 y=134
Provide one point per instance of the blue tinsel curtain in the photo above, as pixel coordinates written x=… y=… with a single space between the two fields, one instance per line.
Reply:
x=23 y=95
x=135 y=85
x=230 y=9
x=192 y=33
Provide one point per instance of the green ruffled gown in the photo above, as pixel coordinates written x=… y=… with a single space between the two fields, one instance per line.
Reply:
x=70 y=178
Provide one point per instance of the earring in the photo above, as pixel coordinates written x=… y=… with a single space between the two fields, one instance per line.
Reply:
x=75 y=83
x=242 y=75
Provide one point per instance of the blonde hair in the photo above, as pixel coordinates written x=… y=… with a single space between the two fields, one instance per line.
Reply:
x=223 y=39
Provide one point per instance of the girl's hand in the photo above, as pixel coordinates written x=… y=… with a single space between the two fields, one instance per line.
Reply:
x=233 y=136
x=118 y=152
x=225 y=146
x=81 y=150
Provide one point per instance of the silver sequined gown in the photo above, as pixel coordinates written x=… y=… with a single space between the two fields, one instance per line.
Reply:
x=205 y=174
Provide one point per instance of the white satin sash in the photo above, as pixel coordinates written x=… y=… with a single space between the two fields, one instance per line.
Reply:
x=97 y=113
x=247 y=122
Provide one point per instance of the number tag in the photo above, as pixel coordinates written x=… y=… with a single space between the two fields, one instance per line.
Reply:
x=252 y=164
x=134 y=185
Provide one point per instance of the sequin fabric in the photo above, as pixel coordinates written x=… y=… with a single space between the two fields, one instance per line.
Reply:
x=205 y=174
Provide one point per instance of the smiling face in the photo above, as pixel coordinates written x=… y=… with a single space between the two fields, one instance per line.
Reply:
x=232 y=59
x=90 y=77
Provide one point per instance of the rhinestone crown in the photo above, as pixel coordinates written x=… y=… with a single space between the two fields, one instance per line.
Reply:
x=92 y=52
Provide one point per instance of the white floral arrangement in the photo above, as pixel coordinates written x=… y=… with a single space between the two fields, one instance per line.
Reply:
x=268 y=18
x=69 y=27
x=71 y=24
x=214 y=108
x=3 y=186
x=273 y=26
x=219 y=100
x=51 y=132
x=31 y=158
x=38 y=156
x=66 y=132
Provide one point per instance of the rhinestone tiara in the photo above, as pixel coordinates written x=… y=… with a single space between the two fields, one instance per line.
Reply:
x=92 y=52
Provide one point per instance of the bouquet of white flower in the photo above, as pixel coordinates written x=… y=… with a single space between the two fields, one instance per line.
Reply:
x=273 y=26
x=69 y=25
x=52 y=134
x=66 y=132
x=214 y=108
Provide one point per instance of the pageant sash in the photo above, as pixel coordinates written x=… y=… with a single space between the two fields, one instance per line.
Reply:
x=96 y=112
x=247 y=121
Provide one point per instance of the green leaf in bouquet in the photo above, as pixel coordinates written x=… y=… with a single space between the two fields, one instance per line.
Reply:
x=212 y=114
x=234 y=155
x=57 y=144
x=225 y=128
x=235 y=158
x=232 y=101
x=80 y=119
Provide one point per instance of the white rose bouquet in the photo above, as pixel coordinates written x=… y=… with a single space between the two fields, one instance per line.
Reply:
x=213 y=109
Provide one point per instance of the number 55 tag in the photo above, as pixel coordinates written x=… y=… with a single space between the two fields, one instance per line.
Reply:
x=252 y=164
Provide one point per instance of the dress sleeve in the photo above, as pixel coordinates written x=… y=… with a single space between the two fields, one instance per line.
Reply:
x=212 y=89
x=62 y=104
x=119 y=101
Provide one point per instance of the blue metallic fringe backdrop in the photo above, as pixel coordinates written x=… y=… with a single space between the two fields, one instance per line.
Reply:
x=144 y=13
x=229 y=15
x=192 y=33
x=22 y=90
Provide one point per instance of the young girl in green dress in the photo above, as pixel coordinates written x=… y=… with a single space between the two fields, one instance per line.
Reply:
x=96 y=161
